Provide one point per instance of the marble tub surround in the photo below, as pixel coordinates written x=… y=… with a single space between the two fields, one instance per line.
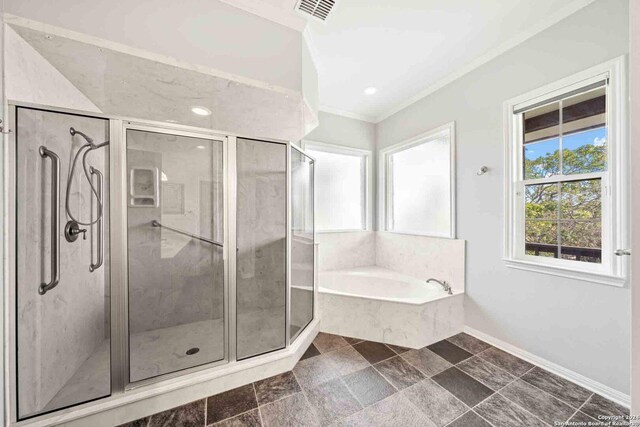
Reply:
x=394 y=390
x=128 y=85
x=382 y=305
x=343 y=250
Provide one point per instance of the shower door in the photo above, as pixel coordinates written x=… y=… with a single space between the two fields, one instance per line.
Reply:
x=261 y=256
x=175 y=228
x=61 y=260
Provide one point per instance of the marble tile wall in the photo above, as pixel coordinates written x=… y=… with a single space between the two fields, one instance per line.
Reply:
x=346 y=250
x=423 y=257
x=57 y=331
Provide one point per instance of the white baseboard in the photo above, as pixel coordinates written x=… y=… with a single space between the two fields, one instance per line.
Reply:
x=581 y=380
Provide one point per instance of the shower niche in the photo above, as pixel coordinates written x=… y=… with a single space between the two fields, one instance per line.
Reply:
x=145 y=251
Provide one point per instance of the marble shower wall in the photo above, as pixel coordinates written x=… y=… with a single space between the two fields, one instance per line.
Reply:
x=57 y=331
x=174 y=279
x=132 y=86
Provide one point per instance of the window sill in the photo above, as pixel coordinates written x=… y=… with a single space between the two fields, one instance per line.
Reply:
x=600 y=278
x=355 y=230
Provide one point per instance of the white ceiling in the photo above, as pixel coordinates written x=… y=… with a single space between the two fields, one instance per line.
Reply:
x=408 y=48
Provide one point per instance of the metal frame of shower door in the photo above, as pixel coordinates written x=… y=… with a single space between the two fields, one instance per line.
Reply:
x=292 y=146
x=120 y=193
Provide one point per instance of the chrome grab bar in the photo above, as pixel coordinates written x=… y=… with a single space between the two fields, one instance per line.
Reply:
x=55 y=220
x=155 y=223
x=93 y=267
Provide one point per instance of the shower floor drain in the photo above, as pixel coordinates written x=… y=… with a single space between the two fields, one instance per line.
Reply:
x=193 y=350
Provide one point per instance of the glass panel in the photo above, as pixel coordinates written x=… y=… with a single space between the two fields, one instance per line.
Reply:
x=581 y=227
x=63 y=335
x=584 y=128
x=420 y=185
x=176 y=268
x=341 y=190
x=302 y=250
x=541 y=238
x=262 y=251
x=541 y=141
x=541 y=201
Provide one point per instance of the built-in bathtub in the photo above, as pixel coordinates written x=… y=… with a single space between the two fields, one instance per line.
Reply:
x=377 y=304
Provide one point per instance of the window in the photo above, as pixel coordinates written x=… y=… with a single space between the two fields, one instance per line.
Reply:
x=565 y=177
x=417 y=179
x=342 y=187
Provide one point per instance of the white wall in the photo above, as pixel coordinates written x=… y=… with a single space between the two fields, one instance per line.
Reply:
x=581 y=326
x=203 y=32
x=339 y=130
x=634 y=21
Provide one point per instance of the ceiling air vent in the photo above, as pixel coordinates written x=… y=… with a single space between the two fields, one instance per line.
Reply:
x=319 y=9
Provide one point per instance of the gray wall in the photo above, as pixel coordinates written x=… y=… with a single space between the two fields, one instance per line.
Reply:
x=581 y=326
x=204 y=32
x=339 y=130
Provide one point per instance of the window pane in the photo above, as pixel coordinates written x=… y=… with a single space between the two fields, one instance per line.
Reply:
x=584 y=129
x=581 y=240
x=420 y=185
x=541 y=142
x=340 y=190
x=581 y=199
x=541 y=238
x=541 y=201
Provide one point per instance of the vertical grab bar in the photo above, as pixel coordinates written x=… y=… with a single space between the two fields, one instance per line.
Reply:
x=92 y=266
x=55 y=220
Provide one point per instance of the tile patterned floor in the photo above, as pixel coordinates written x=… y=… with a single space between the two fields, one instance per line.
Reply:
x=340 y=381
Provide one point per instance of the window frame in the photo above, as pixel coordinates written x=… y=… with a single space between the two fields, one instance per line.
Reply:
x=384 y=172
x=614 y=195
x=366 y=155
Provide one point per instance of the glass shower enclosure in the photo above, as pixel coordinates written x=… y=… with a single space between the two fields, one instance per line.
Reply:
x=143 y=251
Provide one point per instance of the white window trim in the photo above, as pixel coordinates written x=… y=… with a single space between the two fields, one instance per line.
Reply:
x=384 y=204
x=614 y=269
x=368 y=178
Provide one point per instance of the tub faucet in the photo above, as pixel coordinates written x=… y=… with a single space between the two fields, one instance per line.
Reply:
x=444 y=285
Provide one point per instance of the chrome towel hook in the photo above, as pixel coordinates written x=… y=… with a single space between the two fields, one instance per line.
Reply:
x=483 y=170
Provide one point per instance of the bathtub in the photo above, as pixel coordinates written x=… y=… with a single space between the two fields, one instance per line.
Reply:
x=381 y=305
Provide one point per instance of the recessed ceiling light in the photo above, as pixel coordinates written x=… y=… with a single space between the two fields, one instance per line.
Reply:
x=201 y=111
x=201 y=147
x=370 y=90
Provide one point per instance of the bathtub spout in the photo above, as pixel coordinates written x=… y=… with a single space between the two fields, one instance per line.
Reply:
x=444 y=285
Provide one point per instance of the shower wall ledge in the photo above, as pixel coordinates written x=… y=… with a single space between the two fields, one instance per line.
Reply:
x=150 y=399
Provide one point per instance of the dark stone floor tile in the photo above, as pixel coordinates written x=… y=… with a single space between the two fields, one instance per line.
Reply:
x=582 y=419
x=399 y=372
x=508 y=362
x=440 y=406
x=332 y=401
x=462 y=386
x=311 y=352
x=394 y=411
x=449 y=352
x=328 y=342
x=189 y=415
x=312 y=372
x=368 y=386
x=346 y=360
x=501 y=412
x=352 y=341
x=397 y=349
x=231 y=403
x=248 y=419
x=563 y=389
x=598 y=405
x=290 y=411
x=487 y=373
x=426 y=361
x=470 y=419
x=142 y=422
x=374 y=352
x=538 y=402
x=276 y=387
x=471 y=344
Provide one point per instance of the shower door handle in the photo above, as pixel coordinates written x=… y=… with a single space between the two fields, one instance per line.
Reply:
x=92 y=266
x=55 y=220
